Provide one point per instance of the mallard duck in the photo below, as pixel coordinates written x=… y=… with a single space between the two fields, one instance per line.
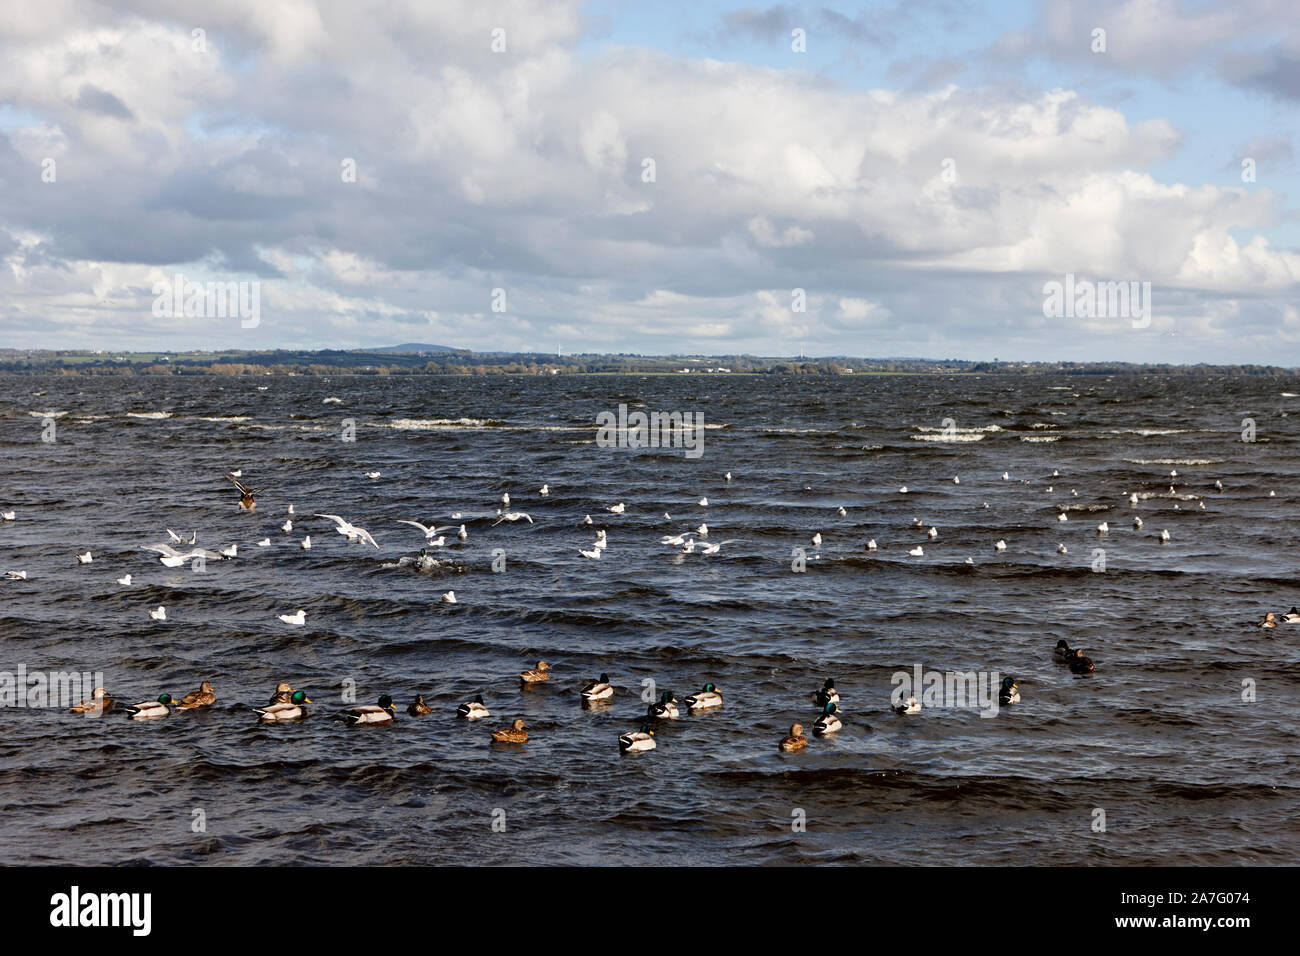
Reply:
x=516 y=733
x=665 y=709
x=474 y=709
x=246 y=494
x=536 y=675
x=1080 y=664
x=708 y=697
x=1009 y=693
x=598 y=690
x=796 y=741
x=379 y=713
x=637 y=741
x=203 y=697
x=282 y=693
x=910 y=706
x=419 y=708
x=98 y=704
x=828 y=722
x=827 y=694
x=288 y=709
x=1062 y=653
x=1291 y=617
x=150 y=708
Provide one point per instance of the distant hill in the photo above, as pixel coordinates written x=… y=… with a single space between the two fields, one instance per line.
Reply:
x=412 y=348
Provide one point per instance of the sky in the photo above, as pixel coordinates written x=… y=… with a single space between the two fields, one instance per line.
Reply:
x=874 y=179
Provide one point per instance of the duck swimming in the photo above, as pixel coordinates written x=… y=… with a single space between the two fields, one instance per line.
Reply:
x=246 y=502
x=203 y=697
x=1009 y=693
x=910 y=706
x=474 y=709
x=98 y=704
x=1080 y=664
x=665 y=709
x=536 y=675
x=795 y=741
x=828 y=722
x=1270 y=620
x=419 y=708
x=637 y=741
x=288 y=709
x=597 y=690
x=705 y=699
x=1062 y=653
x=516 y=733
x=379 y=713
x=282 y=693
x=1291 y=617
x=150 y=708
x=827 y=694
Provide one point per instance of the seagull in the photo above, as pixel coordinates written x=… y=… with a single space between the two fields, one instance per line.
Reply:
x=172 y=558
x=585 y=520
x=871 y=545
x=462 y=533
x=702 y=530
x=1137 y=523
x=305 y=543
x=1060 y=549
x=84 y=558
x=704 y=502
x=246 y=493
x=511 y=516
x=727 y=476
x=594 y=553
x=903 y=490
x=677 y=539
x=290 y=511
x=177 y=539
x=349 y=530
x=618 y=509
x=160 y=614
x=505 y=499
x=372 y=475
x=714 y=548
x=287 y=526
x=1103 y=528
x=1006 y=476
x=544 y=490
x=1062 y=517
x=956 y=480
x=817 y=540
x=230 y=552
x=297 y=620
x=667 y=516
x=449 y=597
x=1000 y=546
x=7 y=515
x=125 y=580
x=18 y=575
x=429 y=530
x=264 y=543
x=842 y=511
x=917 y=552
x=933 y=533
x=237 y=473
x=1218 y=486
x=1133 y=499
x=1164 y=535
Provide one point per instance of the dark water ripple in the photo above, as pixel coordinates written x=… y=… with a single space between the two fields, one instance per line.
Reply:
x=1159 y=738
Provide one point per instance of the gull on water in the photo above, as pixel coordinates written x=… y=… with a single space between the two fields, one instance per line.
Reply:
x=594 y=553
x=933 y=533
x=462 y=533
x=372 y=475
x=264 y=543
x=727 y=476
x=84 y=558
x=618 y=509
x=917 y=552
x=297 y=620
x=544 y=490
x=586 y=520
x=817 y=540
x=1103 y=528
x=305 y=543
x=843 y=513
x=125 y=580
x=903 y=490
x=287 y=526
x=704 y=502
x=159 y=613
x=1137 y=523
x=1000 y=546
x=1164 y=536
x=1060 y=548
x=871 y=545
x=7 y=515
x=230 y=552
x=702 y=530
x=15 y=575
x=449 y=597
x=1062 y=517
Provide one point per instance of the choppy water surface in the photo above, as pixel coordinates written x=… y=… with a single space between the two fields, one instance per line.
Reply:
x=1159 y=738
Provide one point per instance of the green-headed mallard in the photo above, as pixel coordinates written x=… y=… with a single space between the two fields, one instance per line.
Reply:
x=150 y=708
x=419 y=708
x=536 y=675
x=474 y=709
x=598 y=690
x=827 y=722
x=379 y=713
x=289 y=709
x=1009 y=692
x=796 y=741
x=708 y=697
x=826 y=694
x=203 y=697
x=637 y=741
x=666 y=709
x=516 y=733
